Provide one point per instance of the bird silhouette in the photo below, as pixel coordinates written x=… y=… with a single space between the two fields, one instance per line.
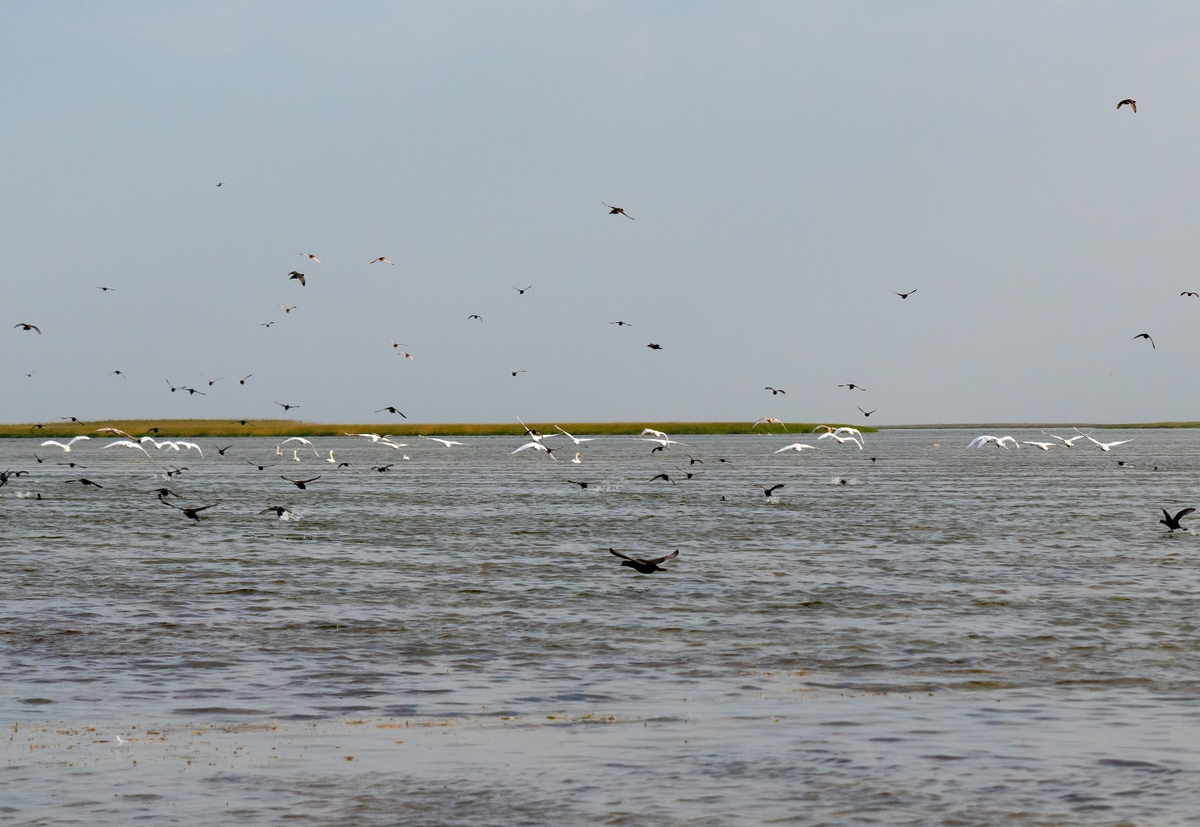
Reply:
x=617 y=211
x=1190 y=293
x=522 y=290
x=768 y=491
x=868 y=413
x=653 y=346
x=904 y=295
x=298 y=276
x=621 y=324
x=381 y=260
x=277 y=510
x=642 y=565
x=285 y=406
x=1147 y=336
x=1173 y=522
x=301 y=484
x=852 y=386
x=474 y=316
x=1132 y=104
x=32 y=327
x=392 y=409
x=774 y=391
x=190 y=513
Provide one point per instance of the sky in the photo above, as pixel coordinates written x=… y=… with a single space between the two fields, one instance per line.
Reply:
x=787 y=167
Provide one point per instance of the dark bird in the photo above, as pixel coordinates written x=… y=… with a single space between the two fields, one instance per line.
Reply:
x=904 y=295
x=222 y=451
x=32 y=327
x=266 y=324
x=666 y=477
x=617 y=211
x=642 y=566
x=342 y=465
x=474 y=316
x=382 y=469
x=767 y=491
x=154 y=430
x=868 y=413
x=391 y=409
x=219 y=183
x=286 y=407
x=86 y=482
x=164 y=492
x=522 y=290
x=653 y=346
x=297 y=276
x=301 y=484
x=190 y=513
x=242 y=381
x=688 y=474
x=1190 y=293
x=277 y=510
x=1146 y=336
x=515 y=372
x=73 y=419
x=118 y=373
x=260 y=467
x=775 y=391
x=381 y=260
x=104 y=289
x=241 y=421
x=658 y=448
x=39 y=459
x=39 y=425
x=174 y=472
x=853 y=387
x=582 y=485
x=287 y=309
x=212 y=382
x=621 y=324
x=71 y=464
x=1132 y=104
x=1173 y=522
x=191 y=390
x=169 y=385
x=692 y=460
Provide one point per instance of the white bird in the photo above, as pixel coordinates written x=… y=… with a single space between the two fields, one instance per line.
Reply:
x=66 y=447
x=536 y=436
x=158 y=445
x=577 y=460
x=304 y=441
x=446 y=442
x=769 y=420
x=537 y=446
x=296 y=454
x=985 y=439
x=666 y=442
x=846 y=429
x=331 y=459
x=113 y=431
x=1045 y=446
x=372 y=437
x=578 y=440
x=1067 y=443
x=191 y=446
x=396 y=446
x=1106 y=446
x=653 y=432
x=127 y=443
x=797 y=446
x=312 y=257
x=842 y=439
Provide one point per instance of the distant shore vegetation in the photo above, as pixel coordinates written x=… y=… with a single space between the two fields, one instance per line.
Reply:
x=291 y=427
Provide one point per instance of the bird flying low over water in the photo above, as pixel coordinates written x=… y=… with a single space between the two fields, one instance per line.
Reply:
x=1066 y=443
x=277 y=510
x=797 y=447
x=768 y=491
x=1173 y=522
x=769 y=420
x=1132 y=104
x=67 y=447
x=1106 y=446
x=446 y=442
x=642 y=565
x=301 y=484
x=25 y=326
x=190 y=513
x=1146 y=336
x=617 y=211
x=302 y=441
x=985 y=439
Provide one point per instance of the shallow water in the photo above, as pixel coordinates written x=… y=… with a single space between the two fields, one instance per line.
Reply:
x=954 y=636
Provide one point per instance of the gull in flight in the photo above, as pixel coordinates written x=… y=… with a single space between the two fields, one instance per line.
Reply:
x=1146 y=336
x=381 y=260
x=127 y=443
x=769 y=420
x=642 y=565
x=446 y=442
x=303 y=441
x=32 y=327
x=578 y=440
x=617 y=211
x=1132 y=104
x=985 y=439
x=66 y=448
x=1107 y=446
x=904 y=295
x=797 y=447
x=1173 y=522
x=311 y=257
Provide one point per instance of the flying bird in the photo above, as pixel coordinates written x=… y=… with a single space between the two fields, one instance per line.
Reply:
x=104 y=289
x=301 y=484
x=775 y=391
x=277 y=510
x=769 y=420
x=868 y=413
x=259 y=467
x=666 y=477
x=311 y=257
x=242 y=381
x=190 y=513
x=1132 y=104
x=617 y=211
x=621 y=324
x=472 y=316
x=67 y=447
x=391 y=409
x=73 y=419
x=578 y=440
x=118 y=373
x=446 y=442
x=644 y=566
x=515 y=372
x=1146 y=336
x=1107 y=446
x=302 y=441
x=32 y=327
x=852 y=386
x=286 y=407
x=904 y=295
x=127 y=443
x=85 y=482
x=653 y=346
x=1190 y=293
x=522 y=290
x=1173 y=522
x=287 y=309
x=297 y=276
x=797 y=447
x=767 y=491
x=381 y=260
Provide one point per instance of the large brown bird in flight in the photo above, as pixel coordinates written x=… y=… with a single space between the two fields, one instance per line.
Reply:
x=1132 y=104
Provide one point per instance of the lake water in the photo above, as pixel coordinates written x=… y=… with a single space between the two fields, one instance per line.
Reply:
x=953 y=636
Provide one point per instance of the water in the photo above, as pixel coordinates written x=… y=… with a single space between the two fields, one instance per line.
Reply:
x=953 y=636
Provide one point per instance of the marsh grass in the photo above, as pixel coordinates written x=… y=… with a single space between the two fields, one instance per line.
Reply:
x=291 y=427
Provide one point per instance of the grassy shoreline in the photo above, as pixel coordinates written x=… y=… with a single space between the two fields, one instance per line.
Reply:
x=290 y=427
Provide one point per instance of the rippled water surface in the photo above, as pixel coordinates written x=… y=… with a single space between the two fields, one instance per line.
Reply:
x=952 y=636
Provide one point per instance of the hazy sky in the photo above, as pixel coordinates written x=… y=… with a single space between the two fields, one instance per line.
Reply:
x=787 y=166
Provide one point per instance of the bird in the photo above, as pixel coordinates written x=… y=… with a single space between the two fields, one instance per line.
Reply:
x=191 y=390
x=1045 y=446
x=287 y=309
x=582 y=485
x=841 y=440
x=621 y=324
x=278 y=510
x=904 y=295
x=515 y=372
x=382 y=469
x=127 y=443
x=868 y=413
x=392 y=409
x=118 y=373
x=653 y=432
x=190 y=513
x=1146 y=336
x=259 y=467
x=774 y=391
x=298 y=276
x=372 y=437
x=242 y=381
x=852 y=386
x=301 y=484
x=113 y=431
x=474 y=316
x=266 y=324
x=617 y=211
x=985 y=439
x=212 y=382
x=1066 y=443
x=1107 y=446
x=311 y=257
x=769 y=420
x=104 y=289
x=302 y=441
x=169 y=385
x=537 y=446
x=653 y=346
x=577 y=460
x=164 y=492
x=578 y=440
x=191 y=446
x=1132 y=104
x=666 y=477
x=1190 y=293
x=446 y=442
x=522 y=290
x=26 y=326
x=85 y=482
x=67 y=447
x=222 y=451
x=37 y=426
x=286 y=407
x=693 y=460
x=73 y=419
x=797 y=447
x=767 y=491
x=644 y=566
x=1173 y=522
x=381 y=260
x=220 y=183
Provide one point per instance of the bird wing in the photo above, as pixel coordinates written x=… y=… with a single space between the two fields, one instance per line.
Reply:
x=663 y=559
x=1181 y=514
x=537 y=446
x=624 y=556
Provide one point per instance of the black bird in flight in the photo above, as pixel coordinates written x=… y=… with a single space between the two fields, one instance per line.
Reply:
x=266 y=324
x=383 y=469
x=692 y=460
x=617 y=211
x=119 y=373
x=853 y=387
x=154 y=430
x=582 y=485
x=169 y=385
x=259 y=467
x=39 y=459
x=277 y=510
x=286 y=407
x=73 y=419
x=391 y=409
x=39 y=425
x=868 y=413
x=621 y=324
x=1146 y=336
x=301 y=484
x=904 y=295
x=1190 y=293
x=190 y=513
x=298 y=276
x=242 y=381
x=642 y=566
x=775 y=391
x=32 y=327
x=522 y=290
x=653 y=346
x=222 y=451
x=472 y=316
x=86 y=482
x=666 y=477
x=191 y=390
x=1132 y=104
x=104 y=289
x=164 y=492
x=1173 y=522
x=515 y=372
x=767 y=491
